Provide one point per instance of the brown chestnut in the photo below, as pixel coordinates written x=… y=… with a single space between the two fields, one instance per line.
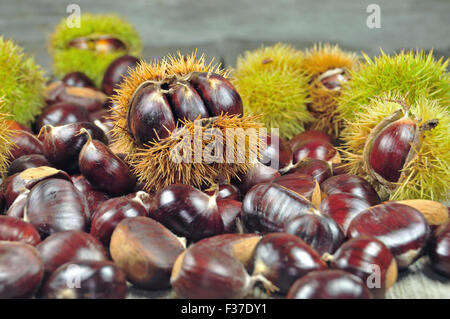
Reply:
x=440 y=251
x=190 y=213
x=116 y=71
x=259 y=173
x=342 y=208
x=329 y=284
x=21 y=270
x=320 y=232
x=62 y=113
x=27 y=161
x=214 y=268
x=62 y=144
x=268 y=206
x=308 y=135
x=103 y=169
x=146 y=251
x=67 y=247
x=111 y=212
x=78 y=79
x=86 y=280
x=352 y=184
x=22 y=182
x=226 y=191
x=17 y=208
x=318 y=169
x=15 y=229
x=402 y=228
x=316 y=149
x=277 y=153
x=55 y=205
x=24 y=144
x=283 y=258
x=369 y=259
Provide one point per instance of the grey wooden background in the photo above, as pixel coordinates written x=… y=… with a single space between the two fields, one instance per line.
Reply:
x=225 y=28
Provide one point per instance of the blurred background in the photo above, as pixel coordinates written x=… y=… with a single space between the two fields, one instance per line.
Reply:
x=225 y=28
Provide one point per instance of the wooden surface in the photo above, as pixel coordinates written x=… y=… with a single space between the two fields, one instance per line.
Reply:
x=418 y=282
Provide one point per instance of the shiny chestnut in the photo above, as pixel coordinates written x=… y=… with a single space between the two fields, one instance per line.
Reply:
x=190 y=213
x=403 y=229
x=25 y=143
x=116 y=71
x=440 y=251
x=62 y=113
x=27 y=161
x=283 y=258
x=214 y=268
x=69 y=246
x=111 y=212
x=352 y=184
x=86 y=280
x=268 y=206
x=369 y=259
x=15 y=229
x=146 y=251
x=103 y=169
x=55 y=205
x=21 y=270
x=320 y=232
x=78 y=79
x=329 y=284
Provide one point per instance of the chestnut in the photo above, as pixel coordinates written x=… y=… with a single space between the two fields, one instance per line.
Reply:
x=268 y=206
x=277 y=153
x=17 y=208
x=62 y=113
x=93 y=197
x=218 y=94
x=318 y=169
x=78 y=79
x=100 y=44
x=369 y=259
x=27 y=161
x=342 y=208
x=103 y=169
x=214 y=268
x=440 y=251
x=329 y=284
x=67 y=247
x=316 y=148
x=55 y=205
x=62 y=144
x=387 y=153
x=86 y=280
x=309 y=135
x=403 y=229
x=283 y=258
x=116 y=71
x=190 y=213
x=22 y=182
x=320 y=232
x=21 y=270
x=15 y=229
x=146 y=251
x=259 y=173
x=352 y=184
x=111 y=212
x=24 y=143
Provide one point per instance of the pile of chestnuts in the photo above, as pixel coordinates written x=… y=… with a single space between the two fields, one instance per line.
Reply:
x=76 y=222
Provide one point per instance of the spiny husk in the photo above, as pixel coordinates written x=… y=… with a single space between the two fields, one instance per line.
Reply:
x=93 y=64
x=317 y=60
x=153 y=163
x=271 y=82
x=22 y=83
x=410 y=73
x=5 y=141
x=426 y=175
x=178 y=65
